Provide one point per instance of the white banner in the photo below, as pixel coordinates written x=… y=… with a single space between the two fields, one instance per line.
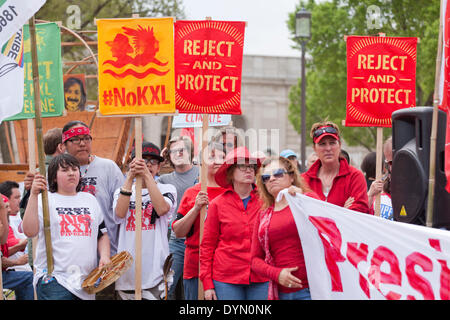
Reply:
x=194 y=120
x=12 y=76
x=350 y=255
x=14 y=14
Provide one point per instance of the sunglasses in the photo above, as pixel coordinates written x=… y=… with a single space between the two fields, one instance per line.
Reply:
x=321 y=131
x=277 y=173
x=245 y=167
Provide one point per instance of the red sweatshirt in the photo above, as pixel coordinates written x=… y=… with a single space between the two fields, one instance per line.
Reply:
x=285 y=248
x=191 y=253
x=225 y=251
x=349 y=182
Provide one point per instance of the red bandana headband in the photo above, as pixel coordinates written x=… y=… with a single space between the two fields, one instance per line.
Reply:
x=78 y=131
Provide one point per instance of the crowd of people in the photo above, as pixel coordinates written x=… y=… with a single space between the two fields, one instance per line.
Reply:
x=250 y=248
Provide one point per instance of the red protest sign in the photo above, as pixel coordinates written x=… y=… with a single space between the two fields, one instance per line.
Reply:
x=381 y=78
x=208 y=66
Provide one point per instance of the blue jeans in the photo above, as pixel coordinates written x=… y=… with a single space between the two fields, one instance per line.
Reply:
x=190 y=289
x=252 y=291
x=303 y=294
x=176 y=248
x=53 y=291
x=21 y=282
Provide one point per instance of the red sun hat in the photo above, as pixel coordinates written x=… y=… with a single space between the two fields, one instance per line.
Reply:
x=325 y=131
x=238 y=155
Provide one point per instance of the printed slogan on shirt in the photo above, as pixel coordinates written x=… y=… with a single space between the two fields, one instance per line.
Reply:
x=208 y=66
x=147 y=209
x=136 y=67
x=381 y=78
x=75 y=222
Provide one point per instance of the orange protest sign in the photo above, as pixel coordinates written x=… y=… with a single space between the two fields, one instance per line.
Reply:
x=136 y=66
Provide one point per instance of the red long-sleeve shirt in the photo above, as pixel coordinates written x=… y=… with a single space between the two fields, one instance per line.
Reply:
x=285 y=247
x=349 y=182
x=192 y=251
x=225 y=251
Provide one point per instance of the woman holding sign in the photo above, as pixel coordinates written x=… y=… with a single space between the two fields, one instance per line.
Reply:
x=276 y=248
x=331 y=177
x=225 y=248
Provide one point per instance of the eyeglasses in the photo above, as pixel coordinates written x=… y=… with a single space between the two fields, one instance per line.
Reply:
x=151 y=160
x=178 y=150
x=77 y=140
x=321 y=131
x=277 y=173
x=228 y=145
x=244 y=167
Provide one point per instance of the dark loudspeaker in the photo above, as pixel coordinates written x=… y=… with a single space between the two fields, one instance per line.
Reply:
x=411 y=131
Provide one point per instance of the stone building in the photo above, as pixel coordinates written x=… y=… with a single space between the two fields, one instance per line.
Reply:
x=266 y=81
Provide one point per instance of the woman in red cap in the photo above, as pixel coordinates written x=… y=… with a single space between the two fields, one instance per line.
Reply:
x=276 y=248
x=225 y=248
x=331 y=177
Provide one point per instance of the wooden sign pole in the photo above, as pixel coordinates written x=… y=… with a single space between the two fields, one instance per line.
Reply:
x=434 y=125
x=138 y=198
x=32 y=168
x=204 y=186
x=138 y=212
x=40 y=144
x=379 y=168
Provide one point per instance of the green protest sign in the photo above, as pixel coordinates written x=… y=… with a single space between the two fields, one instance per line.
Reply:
x=48 y=40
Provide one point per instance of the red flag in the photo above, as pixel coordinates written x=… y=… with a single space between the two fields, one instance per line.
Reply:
x=444 y=85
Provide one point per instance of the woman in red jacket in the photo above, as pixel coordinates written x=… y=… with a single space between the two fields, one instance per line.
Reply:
x=331 y=177
x=276 y=247
x=225 y=248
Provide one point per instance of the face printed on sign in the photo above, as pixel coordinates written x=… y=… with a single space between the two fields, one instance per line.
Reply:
x=74 y=94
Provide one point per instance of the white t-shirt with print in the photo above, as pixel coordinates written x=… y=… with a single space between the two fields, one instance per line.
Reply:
x=74 y=225
x=386 y=210
x=155 y=245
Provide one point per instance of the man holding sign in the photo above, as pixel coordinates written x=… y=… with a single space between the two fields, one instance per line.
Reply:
x=158 y=204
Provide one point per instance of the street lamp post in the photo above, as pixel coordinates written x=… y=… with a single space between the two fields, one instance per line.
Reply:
x=303 y=34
